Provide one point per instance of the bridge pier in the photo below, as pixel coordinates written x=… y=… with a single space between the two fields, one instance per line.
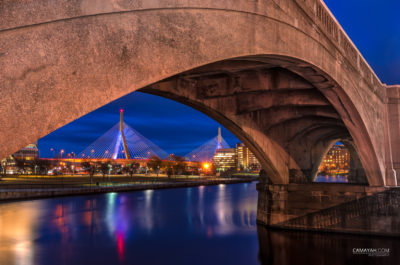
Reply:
x=393 y=109
x=286 y=205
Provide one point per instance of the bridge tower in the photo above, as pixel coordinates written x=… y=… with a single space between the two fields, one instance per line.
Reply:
x=219 y=139
x=121 y=129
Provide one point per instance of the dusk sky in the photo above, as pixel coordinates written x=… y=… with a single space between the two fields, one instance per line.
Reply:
x=374 y=28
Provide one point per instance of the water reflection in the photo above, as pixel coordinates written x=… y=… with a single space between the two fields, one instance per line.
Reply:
x=202 y=225
x=17 y=228
x=306 y=248
x=121 y=228
x=332 y=178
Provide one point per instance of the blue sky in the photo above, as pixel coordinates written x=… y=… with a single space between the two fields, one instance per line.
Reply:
x=373 y=26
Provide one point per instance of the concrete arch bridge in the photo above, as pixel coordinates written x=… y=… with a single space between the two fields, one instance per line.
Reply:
x=282 y=75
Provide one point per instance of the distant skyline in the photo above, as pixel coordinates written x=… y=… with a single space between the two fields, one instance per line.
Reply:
x=175 y=128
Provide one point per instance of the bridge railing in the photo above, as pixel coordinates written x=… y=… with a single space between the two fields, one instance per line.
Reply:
x=326 y=22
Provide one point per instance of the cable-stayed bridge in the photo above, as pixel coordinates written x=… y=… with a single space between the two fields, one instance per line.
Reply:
x=122 y=141
x=206 y=151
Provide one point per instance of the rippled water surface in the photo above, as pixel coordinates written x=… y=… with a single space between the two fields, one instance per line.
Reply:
x=178 y=226
x=201 y=225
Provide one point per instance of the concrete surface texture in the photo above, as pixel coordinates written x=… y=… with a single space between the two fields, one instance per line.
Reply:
x=282 y=75
x=332 y=207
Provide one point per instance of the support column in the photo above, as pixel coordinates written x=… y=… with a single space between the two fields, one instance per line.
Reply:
x=280 y=203
x=393 y=120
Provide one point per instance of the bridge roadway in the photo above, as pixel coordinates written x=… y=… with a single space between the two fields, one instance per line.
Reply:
x=281 y=75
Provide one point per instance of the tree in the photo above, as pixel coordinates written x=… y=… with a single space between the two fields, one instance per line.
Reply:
x=254 y=167
x=86 y=166
x=20 y=164
x=43 y=166
x=131 y=169
x=136 y=167
x=169 y=172
x=154 y=163
x=228 y=172
x=104 y=168
x=89 y=168
x=2 y=170
x=179 y=164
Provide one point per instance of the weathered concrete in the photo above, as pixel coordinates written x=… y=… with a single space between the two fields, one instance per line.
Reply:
x=282 y=75
x=350 y=209
x=278 y=204
x=286 y=121
x=393 y=106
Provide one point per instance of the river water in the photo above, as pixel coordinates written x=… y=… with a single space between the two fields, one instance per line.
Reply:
x=200 y=225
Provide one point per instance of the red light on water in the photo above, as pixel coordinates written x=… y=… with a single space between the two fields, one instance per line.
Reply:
x=121 y=110
x=120 y=246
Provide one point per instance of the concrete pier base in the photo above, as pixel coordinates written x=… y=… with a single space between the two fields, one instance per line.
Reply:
x=305 y=206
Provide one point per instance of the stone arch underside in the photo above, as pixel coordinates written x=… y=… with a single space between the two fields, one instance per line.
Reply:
x=69 y=66
x=356 y=173
x=283 y=118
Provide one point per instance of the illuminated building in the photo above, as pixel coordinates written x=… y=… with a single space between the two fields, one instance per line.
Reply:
x=26 y=154
x=9 y=166
x=246 y=160
x=29 y=152
x=337 y=159
x=224 y=158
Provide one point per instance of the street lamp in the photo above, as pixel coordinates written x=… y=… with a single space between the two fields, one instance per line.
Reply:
x=206 y=166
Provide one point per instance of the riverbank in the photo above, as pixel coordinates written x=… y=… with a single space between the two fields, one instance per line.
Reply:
x=56 y=190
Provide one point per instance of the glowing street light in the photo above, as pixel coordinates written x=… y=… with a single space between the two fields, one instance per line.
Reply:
x=206 y=167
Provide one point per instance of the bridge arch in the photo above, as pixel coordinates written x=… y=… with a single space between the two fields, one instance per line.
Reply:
x=89 y=54
x=272 y=109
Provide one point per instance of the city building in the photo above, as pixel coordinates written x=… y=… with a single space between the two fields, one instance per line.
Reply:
x=9 y=165
x=29 y=152
x=245 y=159
x=224 y=159
x=16 y=162
x=337 y=160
